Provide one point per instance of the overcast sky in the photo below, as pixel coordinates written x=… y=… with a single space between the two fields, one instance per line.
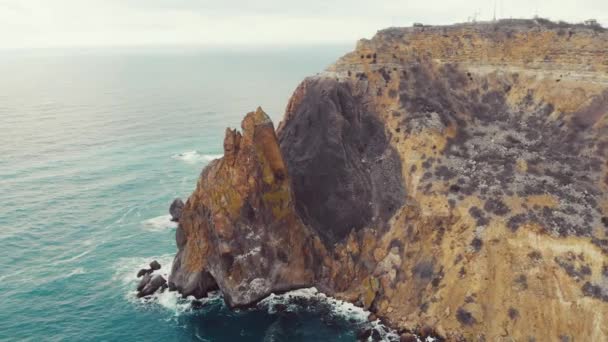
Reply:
x=73 y=23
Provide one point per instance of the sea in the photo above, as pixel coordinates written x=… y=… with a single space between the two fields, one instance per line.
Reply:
x=94 y=146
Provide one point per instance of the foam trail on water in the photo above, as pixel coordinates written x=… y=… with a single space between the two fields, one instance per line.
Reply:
x=76 y=271
x=195 y=157
x=159 y=223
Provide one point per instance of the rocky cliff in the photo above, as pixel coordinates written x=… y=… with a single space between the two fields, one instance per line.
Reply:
x=452 y=179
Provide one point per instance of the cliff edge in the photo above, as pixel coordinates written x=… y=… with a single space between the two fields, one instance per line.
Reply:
x=449 y=178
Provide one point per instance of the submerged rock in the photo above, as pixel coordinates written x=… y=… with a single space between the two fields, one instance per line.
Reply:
x=176 y=209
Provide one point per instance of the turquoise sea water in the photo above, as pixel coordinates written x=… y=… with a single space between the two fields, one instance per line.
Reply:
x=94 y=146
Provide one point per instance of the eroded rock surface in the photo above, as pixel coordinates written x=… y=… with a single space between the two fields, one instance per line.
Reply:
x=240 y=228
x=451 y=180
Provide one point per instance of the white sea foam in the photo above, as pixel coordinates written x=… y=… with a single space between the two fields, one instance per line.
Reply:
x=171 y=301
x=74 y=258
x=126 y=274
x=159 y=223
x=76 y=271
x=339 y=309
x=126 y=269
x=194 y=157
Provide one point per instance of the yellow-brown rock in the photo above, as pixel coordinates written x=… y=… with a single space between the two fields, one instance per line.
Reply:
x=239 y=227
x=502 y=133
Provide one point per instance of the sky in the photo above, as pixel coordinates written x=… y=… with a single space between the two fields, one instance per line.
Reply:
x=97 y=23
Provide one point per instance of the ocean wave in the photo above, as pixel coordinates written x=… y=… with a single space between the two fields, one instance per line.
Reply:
x=334 y=308
x=196 y=157
x=159 y=223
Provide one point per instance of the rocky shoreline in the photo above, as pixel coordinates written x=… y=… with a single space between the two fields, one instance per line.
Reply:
x=451 y=180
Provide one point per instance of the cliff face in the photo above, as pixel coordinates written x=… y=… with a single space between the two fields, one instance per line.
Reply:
x=452 y=177
x=239 y=231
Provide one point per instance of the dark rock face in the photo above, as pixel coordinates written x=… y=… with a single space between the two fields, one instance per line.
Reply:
x=197 y=284
x=176 y=209
x=345 y=174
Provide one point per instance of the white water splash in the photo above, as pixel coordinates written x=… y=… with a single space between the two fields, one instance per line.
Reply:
x=126 y=269
x=159 y=223
x=126 y=275
x=194 y=157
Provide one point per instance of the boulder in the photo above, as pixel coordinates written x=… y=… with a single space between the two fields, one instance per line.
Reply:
x=176 y=209
x=154 y=265
x=143 y=282
x=152 y=286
